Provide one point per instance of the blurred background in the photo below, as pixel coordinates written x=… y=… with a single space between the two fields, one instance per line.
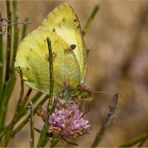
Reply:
x=117 y=63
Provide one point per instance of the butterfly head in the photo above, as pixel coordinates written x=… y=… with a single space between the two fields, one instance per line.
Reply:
x=79 y=93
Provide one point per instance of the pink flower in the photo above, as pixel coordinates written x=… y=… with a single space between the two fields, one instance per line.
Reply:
x=67 y=121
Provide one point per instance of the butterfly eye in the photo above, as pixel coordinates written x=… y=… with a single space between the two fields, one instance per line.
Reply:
x=72 y=46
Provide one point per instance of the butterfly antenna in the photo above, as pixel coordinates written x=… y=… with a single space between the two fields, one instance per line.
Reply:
x=109 y=93
x=103 y=92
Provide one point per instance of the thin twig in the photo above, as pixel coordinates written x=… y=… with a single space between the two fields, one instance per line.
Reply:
x=22 y=87
x=19 y=112
x=28 y=93
x=24 y=31
x=6 y=22
x=90 y=19
x=15 y=117
x=107 y=121
x=1 y=64
x=15 y=34
x=51 y=80
x=37 y=130
x=33 y=100
x=24 y=122
x=9 y=77
x=136 y=140
x=7 y=91
x=43 y=137
x=9 y=41
x=36 y=97
x=69 y=142
x=24 y=101
x=31 y=125
x=142 y=143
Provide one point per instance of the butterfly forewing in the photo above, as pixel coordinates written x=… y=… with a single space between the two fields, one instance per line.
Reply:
x=64 y=22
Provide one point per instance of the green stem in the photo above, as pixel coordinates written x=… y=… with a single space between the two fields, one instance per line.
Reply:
x=33 y=100
x=36 y=97
x=51 y=80
x=17 y=113
x=25 y=121
x=8 y=88
x=31 y=125
x=1 y=63
x=21 y=110
x=136 y=140
x=54 y=142
x=24 y=31
x=9 y=41
x=26 y=98
x=90 y=19
x=9 y=75
x=43 y=137
x=15 y=34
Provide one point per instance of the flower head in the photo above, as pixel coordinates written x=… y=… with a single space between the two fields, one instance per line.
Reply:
x=67 y=121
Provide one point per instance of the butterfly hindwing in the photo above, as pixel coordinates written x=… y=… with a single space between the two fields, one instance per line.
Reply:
x=32 y=58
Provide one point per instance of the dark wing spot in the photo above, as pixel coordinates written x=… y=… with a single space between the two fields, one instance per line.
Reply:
x=78 y=26
x=63 y=19
x=53 y=30
x=75 y=20
x=73 y=46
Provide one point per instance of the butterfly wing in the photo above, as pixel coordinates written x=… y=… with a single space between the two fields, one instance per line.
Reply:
x=63 y=21
x=32 y=58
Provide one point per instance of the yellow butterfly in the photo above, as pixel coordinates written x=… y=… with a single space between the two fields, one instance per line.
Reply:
x=62 y=27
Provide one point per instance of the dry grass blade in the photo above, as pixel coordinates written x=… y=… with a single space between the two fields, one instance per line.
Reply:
x=106 y=122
